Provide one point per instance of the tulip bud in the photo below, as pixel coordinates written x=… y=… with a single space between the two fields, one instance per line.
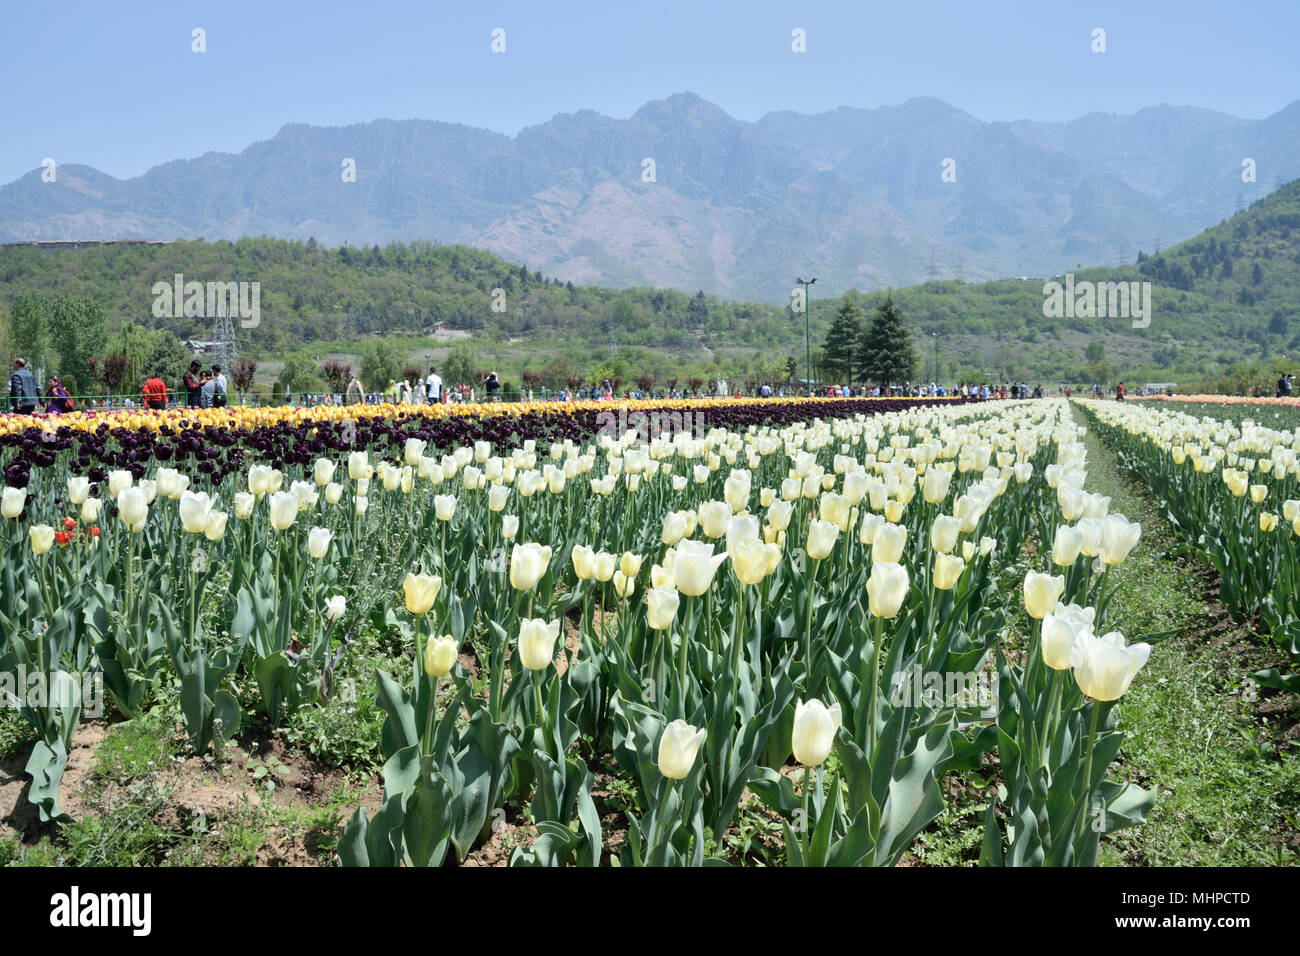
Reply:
x=440 y=655
x=195 y=508
x=886 y=588
x=537 y=643
x=215 y=529
x=318 y=542
x=13 y=501
x=947 y=569
x=132 y=508
x=78 y=489
x=661 y=606
x=624 y=586
x=509 y=526
x=584 y=562
x=821 y=538
x=528 y=563
x=630 y=564
x=1118 y=537
x=284 y=509
x=779 y=514
x=1041 y=592
x=421 y=590
x=935 y=487
x=333 y=493
x=604 y=565
x=1061 y=629
x=888 y=543
x=943 y=533
x=413 y=450
x=677 y=749
x=815 y=727
x=713 y=518
x=323 y=471
x=1066 y=546
x=117 y=480
x=444 y=506
x=259 y=480
x=42 y=538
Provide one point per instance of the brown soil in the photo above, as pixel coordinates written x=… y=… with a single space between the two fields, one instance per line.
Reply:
x=199 y=789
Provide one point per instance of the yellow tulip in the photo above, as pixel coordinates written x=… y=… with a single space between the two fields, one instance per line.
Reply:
x=947 y=569
x=421 y=591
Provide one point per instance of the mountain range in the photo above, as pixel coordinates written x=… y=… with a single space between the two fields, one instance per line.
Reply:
x=682 y=195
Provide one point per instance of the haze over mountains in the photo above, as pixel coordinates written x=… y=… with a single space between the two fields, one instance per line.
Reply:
x=854 y=196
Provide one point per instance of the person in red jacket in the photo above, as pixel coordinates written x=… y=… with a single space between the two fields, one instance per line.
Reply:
x=154 y=392
x=1119 y=392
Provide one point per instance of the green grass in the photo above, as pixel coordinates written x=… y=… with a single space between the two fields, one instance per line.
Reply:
x=134 y=749
x=15 y=732
x=1224 y=790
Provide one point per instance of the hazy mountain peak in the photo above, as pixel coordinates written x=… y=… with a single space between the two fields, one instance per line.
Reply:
x=683 y=194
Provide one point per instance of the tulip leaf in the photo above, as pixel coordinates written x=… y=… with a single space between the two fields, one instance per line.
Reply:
x=1126 y=805
x=914 y=797
x=399 y=729
x=427 y=825
x=46 y=765
x=352 y=841
x=470 y=778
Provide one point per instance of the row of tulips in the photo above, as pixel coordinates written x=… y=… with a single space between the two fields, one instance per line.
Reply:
x=211 y=445
x=1232 y=491
x=765 y=594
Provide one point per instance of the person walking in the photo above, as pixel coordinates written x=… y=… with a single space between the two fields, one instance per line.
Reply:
x=433 y=387
x=1119 y=392
x=154 y=393
x=353 y=393
x=23 y=393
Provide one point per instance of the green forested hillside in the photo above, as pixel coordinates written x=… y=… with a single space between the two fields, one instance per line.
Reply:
x=1220 y=300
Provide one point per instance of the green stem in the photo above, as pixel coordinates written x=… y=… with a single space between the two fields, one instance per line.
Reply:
x=877 y=628
x=806 y=824
x=739 y=635
x=1087 y=768
x=537 y=700
x=807 y=631
x=681 y=666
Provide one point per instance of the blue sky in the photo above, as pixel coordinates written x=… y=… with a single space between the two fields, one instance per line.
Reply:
x=116 y=85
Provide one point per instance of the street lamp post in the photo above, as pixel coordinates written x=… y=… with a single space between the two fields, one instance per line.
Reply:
x=936 y=358
x=807 y=327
